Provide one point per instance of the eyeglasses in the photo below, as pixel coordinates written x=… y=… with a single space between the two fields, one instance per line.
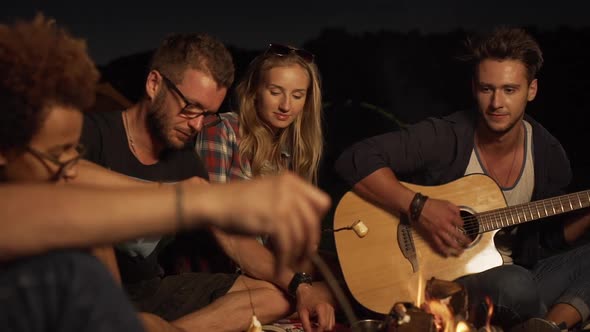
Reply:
x=191 y=110
x=63 y=166
x=284 y=50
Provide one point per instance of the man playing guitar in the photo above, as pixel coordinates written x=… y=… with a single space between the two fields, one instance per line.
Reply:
x=539 y=277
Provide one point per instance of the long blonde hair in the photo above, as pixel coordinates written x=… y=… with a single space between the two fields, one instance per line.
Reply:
x=259 y=143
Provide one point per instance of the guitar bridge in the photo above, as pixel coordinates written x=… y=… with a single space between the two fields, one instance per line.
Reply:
x=406 y=244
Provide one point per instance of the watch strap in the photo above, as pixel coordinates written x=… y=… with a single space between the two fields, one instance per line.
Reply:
x=298 y=279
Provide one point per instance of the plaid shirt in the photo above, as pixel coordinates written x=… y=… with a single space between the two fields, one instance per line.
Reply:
x=218 y=148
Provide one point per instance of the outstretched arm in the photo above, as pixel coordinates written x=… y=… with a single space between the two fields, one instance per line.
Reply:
x=82 y=216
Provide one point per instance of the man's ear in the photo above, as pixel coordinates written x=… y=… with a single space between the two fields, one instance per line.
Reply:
x=533 y=88
x=152 y=84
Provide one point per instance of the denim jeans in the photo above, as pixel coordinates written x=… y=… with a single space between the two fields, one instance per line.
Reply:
x=62 y=291
x=519 y=293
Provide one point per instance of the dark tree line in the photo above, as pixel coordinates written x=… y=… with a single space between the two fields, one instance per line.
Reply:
x=374 y=81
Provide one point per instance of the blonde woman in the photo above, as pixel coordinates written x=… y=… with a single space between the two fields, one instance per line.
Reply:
x=279 y=121
x=277 y=127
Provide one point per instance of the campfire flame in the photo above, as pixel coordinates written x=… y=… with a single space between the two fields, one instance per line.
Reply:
x=490 y=313
x=445 y=320
x=421 y=288
x=445 y=308
x=462 y=327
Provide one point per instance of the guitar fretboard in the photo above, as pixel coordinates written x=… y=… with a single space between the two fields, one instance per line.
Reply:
x=518 y=214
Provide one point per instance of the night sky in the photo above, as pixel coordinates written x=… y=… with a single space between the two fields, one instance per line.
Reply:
x=117 y=28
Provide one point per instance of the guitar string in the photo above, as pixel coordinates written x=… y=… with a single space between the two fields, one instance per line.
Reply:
x=497 y=217
x=504 y=217
x=527 y=212
x=496 y=220
x=491 y=220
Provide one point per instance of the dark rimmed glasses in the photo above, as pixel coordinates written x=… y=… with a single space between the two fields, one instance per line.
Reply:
x=62 y=166
x=284 y=50
x=192 y=110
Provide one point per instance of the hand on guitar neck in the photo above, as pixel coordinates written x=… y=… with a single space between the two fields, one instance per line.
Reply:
x=441 y=225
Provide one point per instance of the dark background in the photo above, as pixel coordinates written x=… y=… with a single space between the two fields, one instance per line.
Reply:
x=122 y=27
x=382 y=62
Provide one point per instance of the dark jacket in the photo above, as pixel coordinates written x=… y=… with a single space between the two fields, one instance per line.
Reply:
x=437 y=151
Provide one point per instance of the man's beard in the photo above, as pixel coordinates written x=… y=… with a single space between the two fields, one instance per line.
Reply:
x=158 y=122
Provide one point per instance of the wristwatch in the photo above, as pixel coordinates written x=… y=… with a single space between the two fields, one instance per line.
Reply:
x=298 y=279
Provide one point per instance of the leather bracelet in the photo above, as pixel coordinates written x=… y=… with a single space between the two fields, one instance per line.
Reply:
x=298 y=279
x=416 y=206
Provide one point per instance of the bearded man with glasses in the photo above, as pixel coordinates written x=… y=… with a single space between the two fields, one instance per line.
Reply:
x=153 y=140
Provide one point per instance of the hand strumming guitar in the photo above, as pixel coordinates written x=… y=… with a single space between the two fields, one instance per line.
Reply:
x=441 y=224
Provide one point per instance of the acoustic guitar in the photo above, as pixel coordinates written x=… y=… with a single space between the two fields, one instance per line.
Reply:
x=392 y=261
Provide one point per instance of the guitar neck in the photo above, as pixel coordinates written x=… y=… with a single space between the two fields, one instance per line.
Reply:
x=518 y=214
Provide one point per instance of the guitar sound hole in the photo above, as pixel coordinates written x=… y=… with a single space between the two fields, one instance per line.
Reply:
x=470 y=225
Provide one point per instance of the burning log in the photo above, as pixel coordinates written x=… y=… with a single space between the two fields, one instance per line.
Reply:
x=450 y=293
x=445 y=310
x=410 y=318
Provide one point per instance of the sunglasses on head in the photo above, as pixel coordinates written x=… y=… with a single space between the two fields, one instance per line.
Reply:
x=284 y=50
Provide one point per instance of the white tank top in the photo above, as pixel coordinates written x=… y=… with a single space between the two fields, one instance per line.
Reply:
x=520 y=192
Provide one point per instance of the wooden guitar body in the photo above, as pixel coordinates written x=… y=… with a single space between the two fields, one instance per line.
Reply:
x=392 y=262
